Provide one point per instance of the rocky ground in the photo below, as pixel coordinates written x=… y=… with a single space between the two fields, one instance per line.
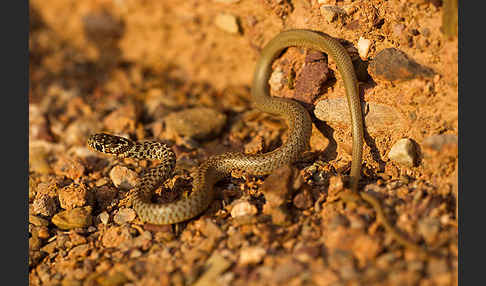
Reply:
x=180 y=72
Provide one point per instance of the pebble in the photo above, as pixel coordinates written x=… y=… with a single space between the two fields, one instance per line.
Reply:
x=438 y=142
x=38 y=161
x=392 y=64
x=278 y=192
x=77 y=132
x=330 y=12
x=44 y=205
x=251 y=255
x=243 y=208
x=378 y=118
x=115 y=236
x=121 y=120
x=403 y=152
x=210 y=229
x=123 y=177
x=276 y=79
x=38 y=124
x=37 y=221
x=80 y=251
x=303 y=200
x=69 y=167
x=124 y=215
x=227 y=23
x=69 y=219
x=73 y=196
x=215 y=266
x=104 y=217
x=276 y=187
x=195 y=123
x=255 y=145
x=311 y=78
x=363 y=47
x=318 y=142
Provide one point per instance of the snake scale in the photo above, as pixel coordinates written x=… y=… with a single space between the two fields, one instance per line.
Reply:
x=219 y=166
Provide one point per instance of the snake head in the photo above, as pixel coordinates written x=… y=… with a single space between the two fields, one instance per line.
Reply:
x=110 y=144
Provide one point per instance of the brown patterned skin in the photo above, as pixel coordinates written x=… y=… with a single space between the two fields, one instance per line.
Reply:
x=219 y=166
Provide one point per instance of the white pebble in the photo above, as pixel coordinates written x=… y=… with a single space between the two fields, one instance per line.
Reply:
x=251 y=255
x=403 y=152
x=104 y=217
x=363 y=47
x=227 y=22
x=243 y=209
x=276 y=79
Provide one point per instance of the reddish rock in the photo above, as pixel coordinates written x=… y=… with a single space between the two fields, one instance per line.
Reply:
x=394 y=65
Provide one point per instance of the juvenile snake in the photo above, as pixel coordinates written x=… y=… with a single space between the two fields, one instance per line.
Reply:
x=219 y=166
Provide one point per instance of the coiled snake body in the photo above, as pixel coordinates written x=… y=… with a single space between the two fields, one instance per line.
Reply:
x=219 y=166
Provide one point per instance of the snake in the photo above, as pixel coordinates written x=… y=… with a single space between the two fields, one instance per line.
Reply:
x=219 y=166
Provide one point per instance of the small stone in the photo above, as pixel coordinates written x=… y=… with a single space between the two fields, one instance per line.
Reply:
x=215 y=266
x=115 y=236
x=195 y=123
x=80 y=251
x=255 y=145
x=38 y=161
x=75 y=218
x=438 y=142
x=38 y=124
x=429 y=228
x=104 y=217
x=378 y=117
x=403 y=152
x=105 y=195
x=122 y=120
x=277 y=187
x=44 y=205
x=311 y=78
x=276 y=79
x=318 y=142
x=251 y=255
x=123 y=178
x=143 y=240
x=124 y=215
x=243 y=209
x=392 y=64
x=73 y=196
x=303 y=200
x=363 y=47
x=37 y=221
x=69 y=167
x=77 y=132
x=330 y=13
x=227 y=22
x=210 y=229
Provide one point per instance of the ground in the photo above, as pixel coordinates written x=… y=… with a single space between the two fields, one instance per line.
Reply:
x=134 y=68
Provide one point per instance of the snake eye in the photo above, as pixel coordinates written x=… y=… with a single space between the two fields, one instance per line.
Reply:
x=98 y=147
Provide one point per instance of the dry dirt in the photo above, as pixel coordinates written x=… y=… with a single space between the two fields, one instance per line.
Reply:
x=124 y=66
